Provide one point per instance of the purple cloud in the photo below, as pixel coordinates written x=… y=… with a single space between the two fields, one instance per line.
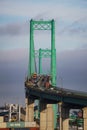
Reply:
x=14 y=29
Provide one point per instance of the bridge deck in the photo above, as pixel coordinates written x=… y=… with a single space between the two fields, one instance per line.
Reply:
x=56 y=94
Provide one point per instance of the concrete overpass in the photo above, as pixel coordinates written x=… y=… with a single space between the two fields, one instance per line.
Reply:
x=55 y=95
x=65 y=99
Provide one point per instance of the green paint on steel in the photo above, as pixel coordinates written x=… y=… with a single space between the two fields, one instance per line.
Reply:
x=53 y=54
x=43 y=53
x=15 y=125
x=42 y=25
x=31 y=69
x=40 y=62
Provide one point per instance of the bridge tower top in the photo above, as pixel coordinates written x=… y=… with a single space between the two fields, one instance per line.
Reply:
x=42 y=25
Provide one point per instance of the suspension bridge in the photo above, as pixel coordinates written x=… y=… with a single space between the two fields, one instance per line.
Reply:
x=44 y=100
x=42 y=87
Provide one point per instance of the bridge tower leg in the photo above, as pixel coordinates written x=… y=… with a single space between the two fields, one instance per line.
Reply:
x=31 y=68
x=53 y=54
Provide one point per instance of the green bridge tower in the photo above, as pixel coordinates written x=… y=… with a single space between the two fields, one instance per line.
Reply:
x=43 y=53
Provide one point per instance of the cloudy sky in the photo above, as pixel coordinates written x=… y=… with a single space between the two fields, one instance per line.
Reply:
x=71 y=43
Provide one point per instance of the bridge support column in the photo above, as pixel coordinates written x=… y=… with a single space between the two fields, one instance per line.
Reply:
x=64 y=116
x=29 y=109
x=85 y=117
x=43 y=121
x=50 y=117
x=60 y=114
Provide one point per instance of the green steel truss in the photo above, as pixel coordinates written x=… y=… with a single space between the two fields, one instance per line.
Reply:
x=41 y=25
x=42 y=53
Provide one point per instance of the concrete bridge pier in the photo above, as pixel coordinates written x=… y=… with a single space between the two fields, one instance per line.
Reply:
x=64 y=116
x=46 y=116
x=50 y=117
x=60 y=115
x=29 y=109
x=85 y=118
x=43 y=122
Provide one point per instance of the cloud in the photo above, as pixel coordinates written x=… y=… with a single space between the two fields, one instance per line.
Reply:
x=70 y=15
x=78 y=26
x=14 y=29
x=59 y=10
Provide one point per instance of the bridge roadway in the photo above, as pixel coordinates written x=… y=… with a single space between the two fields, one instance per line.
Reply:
x=66 y=100
x=56 y=94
